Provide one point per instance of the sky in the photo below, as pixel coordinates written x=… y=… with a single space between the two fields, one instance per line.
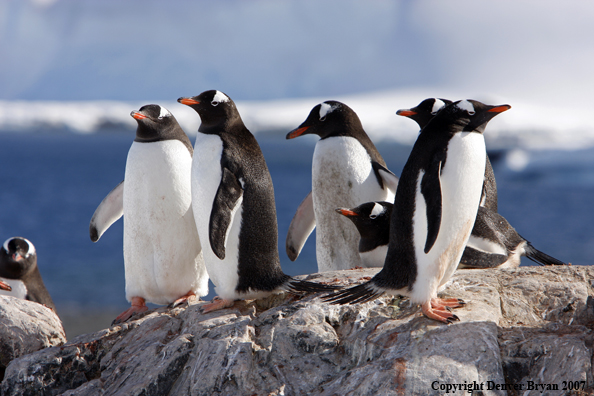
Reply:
x=268 y=49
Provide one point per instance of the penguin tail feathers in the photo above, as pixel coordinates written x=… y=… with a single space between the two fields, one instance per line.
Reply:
x=302 y=286
x=356 y=294
x=539 y=257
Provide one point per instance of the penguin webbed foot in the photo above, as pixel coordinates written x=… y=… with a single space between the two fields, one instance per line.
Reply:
x=138 y=306
x=216 y=304
x=188 y=297
x=441 y=309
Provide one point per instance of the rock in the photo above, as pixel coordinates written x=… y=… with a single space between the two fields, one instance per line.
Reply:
x=26 y=327
x=524 y=331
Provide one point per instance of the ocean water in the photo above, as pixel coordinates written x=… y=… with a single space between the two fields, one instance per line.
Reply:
x=53 y=181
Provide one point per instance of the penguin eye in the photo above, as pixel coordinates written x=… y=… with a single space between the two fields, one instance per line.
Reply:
x=323 y=118
x=372 y=216
x=214 y=103
x=471 y=113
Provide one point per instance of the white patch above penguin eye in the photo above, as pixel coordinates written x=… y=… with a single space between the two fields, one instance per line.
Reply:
x=466 y=105
x=325 y=109
x=164 y=113
x=376 y=211
x=437 y=105
x=5 y=245
x=219 y=98
x=31 y=247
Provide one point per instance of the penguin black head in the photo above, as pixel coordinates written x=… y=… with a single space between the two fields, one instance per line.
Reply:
x=17 y=258
x=330 y=118
x=424 y=111
x=154 y=123
x=467 y=115
x=215 y=109
x=371 y=218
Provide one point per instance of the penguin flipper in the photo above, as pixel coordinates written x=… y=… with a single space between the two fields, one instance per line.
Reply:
x=431 y=190
x=384 y=176
x=476 y=259
x=226 y=202
x=301 y=227
x=108 y=212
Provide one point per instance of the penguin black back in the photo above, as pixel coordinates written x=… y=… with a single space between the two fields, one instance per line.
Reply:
x=245 y=169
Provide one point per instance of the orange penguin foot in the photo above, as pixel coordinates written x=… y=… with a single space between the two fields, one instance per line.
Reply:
x=216 y=304
x=189 y=296
x=441 y=303
x=138 y=306
x=439 y=312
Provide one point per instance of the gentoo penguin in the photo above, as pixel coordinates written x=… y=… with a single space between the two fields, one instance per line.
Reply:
x=18 y=267
x=493 y=243
x=426 y=110
x=233 y=203
x=372 y=220
x=347 y=170
x=434 y=210
x=162 y=253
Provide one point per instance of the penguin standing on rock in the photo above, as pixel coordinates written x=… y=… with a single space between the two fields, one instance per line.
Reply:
x=434 y=211
x=426 y=110
x=162 y=253
x=18 y=267
x=234 y=209
x=347 y=170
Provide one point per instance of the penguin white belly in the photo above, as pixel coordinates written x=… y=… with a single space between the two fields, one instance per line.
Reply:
x=19 y=290
x=375 y=257
x=206 y=178
x=342 y=176
x=461 y=186
x=162 y=252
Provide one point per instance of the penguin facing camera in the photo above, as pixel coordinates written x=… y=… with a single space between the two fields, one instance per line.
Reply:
x=19 y=274
x=162 y=252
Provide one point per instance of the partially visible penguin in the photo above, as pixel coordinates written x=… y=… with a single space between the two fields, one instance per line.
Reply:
x=234 y=209
x=19 y=274
x=434 y=211
x=347 y=170
x=426 y=110
x=372 y=220
x=162 y=253
x=493 y=243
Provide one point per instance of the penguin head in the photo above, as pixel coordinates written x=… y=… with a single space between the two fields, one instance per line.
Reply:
x=327 y=119
x=370 y=218
x=214 y=108
x=17 y=258
x=424 y=111
x=466 y=115
x=154 y=123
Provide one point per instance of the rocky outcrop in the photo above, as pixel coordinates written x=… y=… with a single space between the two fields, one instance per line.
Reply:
x=26 y=327
x=524 y=331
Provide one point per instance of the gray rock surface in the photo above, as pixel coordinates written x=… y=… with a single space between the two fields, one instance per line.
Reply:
x=523 y=327
x=26 y=327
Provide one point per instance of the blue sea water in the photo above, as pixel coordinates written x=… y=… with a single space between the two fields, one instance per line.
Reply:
x=52 y=183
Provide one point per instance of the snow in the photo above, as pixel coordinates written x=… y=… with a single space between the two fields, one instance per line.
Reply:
x=527 y=125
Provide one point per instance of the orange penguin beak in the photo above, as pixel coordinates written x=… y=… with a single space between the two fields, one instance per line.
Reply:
x=347 y=212
x=137 y=115
x=188 y=101
x=500 y=109
x=297 y=132
x=406 y=113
